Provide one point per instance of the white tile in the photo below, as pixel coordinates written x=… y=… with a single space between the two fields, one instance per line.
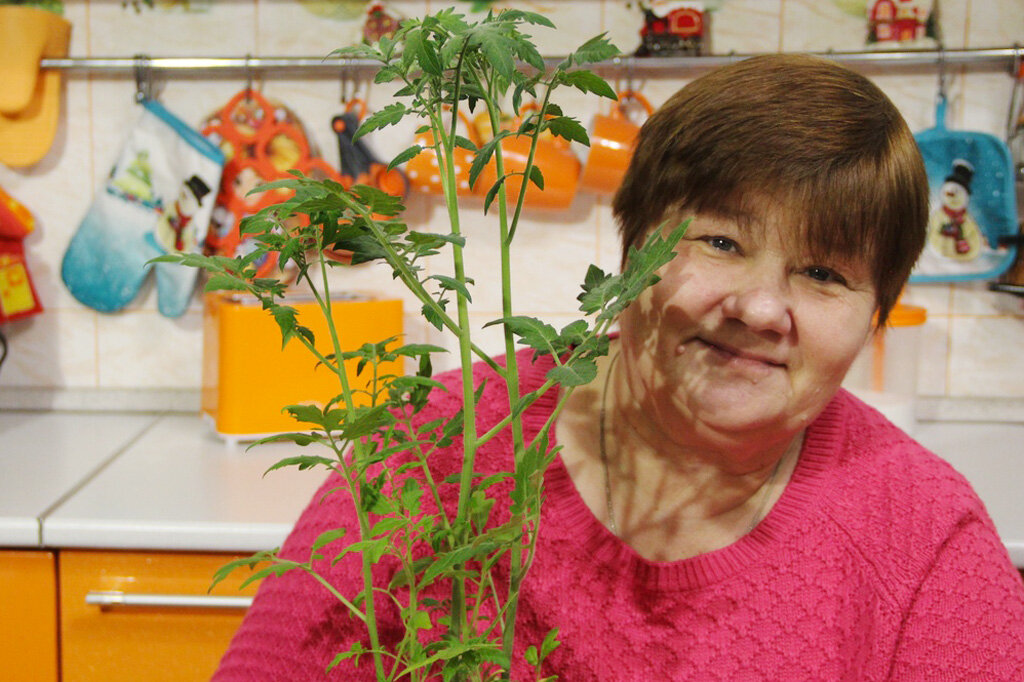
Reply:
x=288 y=28
x=935 y=298
x=993 y=22
x=932 y=369
x=142 y=349
x=201 y=29
x=974 y=298
x=985 y=357
x=813 y=26
x=747 y=27
x=55 y=348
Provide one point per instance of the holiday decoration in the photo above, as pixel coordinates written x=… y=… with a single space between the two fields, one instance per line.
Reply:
x=972 y=204
x=901 y=21
x=673 y=28
x=156 y=200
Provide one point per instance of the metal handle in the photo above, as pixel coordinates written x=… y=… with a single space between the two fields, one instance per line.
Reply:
x=108 y=598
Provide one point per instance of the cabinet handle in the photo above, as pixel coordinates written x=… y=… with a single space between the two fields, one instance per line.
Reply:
x=104 y=598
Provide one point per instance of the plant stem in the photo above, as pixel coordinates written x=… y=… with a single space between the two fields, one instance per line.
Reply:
x=359 y=445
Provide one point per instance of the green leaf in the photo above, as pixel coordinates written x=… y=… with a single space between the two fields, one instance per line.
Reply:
x=327 y=537
x=586 y=81
x=578 y=373
x=549 y=644
x=569 y=129
x=536 y=177
x=378 y=201
x=597 y=49
x=531 y=332
x=223 y=282
x=302 y=462
x=388 y=116
x=406 y=155
x=452 y=284
x=492 y=193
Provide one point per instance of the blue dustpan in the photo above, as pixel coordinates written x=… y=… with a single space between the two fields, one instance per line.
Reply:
x=973 y=204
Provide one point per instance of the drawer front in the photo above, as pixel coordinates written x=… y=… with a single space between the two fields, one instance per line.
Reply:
x=28 y=616
x=163 y=630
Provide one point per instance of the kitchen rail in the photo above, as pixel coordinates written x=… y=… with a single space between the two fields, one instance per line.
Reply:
x=993 y=58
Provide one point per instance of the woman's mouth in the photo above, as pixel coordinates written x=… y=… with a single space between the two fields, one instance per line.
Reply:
x=738 y=356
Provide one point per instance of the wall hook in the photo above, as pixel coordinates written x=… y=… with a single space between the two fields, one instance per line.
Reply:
x=144 y=89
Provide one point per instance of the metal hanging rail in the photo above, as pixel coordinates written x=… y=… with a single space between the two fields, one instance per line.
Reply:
x=1008 y=58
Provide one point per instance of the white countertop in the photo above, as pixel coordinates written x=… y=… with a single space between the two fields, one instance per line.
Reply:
x=103 y=480
x=179 y=487
x=45 y=456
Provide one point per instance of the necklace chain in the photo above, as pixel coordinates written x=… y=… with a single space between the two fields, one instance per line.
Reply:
x=609 y=505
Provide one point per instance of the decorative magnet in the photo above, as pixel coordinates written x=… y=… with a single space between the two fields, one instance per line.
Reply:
x=902 y=22
x=674 y=28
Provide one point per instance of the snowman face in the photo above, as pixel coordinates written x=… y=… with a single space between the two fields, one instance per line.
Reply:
x=187 y=202
x=953 y=195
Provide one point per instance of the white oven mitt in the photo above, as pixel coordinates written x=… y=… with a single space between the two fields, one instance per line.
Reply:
x=157 y=199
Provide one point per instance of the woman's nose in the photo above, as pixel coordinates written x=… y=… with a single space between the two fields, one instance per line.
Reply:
x=761 y=308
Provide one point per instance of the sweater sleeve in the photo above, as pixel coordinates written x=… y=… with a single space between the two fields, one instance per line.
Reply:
x=966 y=621
x=295 y=627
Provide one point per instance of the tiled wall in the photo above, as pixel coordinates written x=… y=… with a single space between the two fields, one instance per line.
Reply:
x=973 y=343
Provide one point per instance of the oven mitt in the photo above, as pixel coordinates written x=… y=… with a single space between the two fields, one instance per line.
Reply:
x=29 y=96
x=973 y=204
x=157 y=199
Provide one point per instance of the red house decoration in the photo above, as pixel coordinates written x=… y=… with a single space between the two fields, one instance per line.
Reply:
x=900 y=21
x=673 y=28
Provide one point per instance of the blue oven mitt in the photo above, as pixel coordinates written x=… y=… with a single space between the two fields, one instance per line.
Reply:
x=157 y=199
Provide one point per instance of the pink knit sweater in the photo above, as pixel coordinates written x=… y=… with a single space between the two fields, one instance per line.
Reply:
x=877 y=563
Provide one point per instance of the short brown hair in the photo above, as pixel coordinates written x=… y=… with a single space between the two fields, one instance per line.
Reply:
x=816 y=139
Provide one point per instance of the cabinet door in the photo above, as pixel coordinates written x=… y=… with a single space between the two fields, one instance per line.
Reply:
x=163 y=631
x=28 y=616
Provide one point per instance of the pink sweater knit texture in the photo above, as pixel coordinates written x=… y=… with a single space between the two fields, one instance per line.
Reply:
x=878 y=562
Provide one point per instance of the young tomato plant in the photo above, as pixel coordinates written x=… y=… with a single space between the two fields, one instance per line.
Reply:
x=455 y=575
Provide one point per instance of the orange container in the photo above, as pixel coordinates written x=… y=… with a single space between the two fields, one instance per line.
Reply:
x=248 y=378
x=612 y=140
x=553 y=156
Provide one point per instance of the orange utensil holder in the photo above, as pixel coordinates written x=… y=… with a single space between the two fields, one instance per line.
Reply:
x=248 y=378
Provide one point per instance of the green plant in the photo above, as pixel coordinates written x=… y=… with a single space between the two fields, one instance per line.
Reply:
x=367 y=434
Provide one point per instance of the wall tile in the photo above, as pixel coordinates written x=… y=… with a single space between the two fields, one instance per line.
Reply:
x=747 y=26
x=142 y=349
x=290 y=28
x=814 y=26
x=933 y=364
x=974 y=298
x=993 y=23
x=968 y=344
x=985 y=357
x=56 y=348
x=172 y=29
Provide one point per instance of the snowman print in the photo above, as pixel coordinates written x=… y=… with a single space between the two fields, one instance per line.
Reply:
x=952 y=232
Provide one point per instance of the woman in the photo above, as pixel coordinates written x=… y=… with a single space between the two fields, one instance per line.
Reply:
x=721 y=509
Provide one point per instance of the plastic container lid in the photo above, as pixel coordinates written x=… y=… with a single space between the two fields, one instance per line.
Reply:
x=906 y=315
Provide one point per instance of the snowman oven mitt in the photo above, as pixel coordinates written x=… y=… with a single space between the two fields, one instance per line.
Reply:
x=973 y=204
x=157 y=199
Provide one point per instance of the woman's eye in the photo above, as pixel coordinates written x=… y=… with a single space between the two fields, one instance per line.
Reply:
x=722 y=243
x=823 y=274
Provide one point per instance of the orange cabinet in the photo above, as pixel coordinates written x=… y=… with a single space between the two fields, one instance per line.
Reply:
x=28 y=616
x=157 y=624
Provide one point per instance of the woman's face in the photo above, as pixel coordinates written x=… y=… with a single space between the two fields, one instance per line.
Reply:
x=746 y=338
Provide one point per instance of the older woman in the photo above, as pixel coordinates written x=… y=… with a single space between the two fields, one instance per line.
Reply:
x=721 y=509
